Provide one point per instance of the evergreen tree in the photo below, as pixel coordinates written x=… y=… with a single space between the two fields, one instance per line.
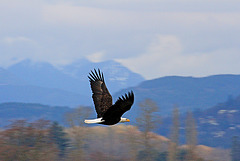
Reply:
x=191 y=136
x=235 y=150
x=58 y=137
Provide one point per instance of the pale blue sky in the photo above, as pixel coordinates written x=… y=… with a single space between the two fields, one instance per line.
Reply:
x=152 y=37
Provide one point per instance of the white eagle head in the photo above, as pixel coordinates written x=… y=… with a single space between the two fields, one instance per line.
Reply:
x=124 y=120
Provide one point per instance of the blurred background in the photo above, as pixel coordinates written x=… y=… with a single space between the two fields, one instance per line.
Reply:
x=179 y=57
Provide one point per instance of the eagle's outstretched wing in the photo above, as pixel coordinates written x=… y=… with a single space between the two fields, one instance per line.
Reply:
x=101 y=97
x=122 y=105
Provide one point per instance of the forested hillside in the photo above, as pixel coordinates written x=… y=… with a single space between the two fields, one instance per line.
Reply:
x=216 y=126
x=188 y=93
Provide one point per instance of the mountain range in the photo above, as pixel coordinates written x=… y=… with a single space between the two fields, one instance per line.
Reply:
x=188 y=93
x=41 y=82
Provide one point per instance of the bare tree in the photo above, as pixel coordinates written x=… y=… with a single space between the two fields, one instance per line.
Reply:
x=174 y=137
x=27 y=141
x=78 y=132
x=147 y=121
x=133 y=142
x=76 y=116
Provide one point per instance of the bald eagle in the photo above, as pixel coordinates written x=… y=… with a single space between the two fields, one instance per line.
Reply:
x=107 y=113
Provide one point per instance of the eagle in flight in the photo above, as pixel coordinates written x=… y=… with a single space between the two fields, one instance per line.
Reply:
x=107 y=113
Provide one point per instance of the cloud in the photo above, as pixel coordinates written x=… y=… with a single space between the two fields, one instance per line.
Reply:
x=137 y=19
x=18 y=39
x=96 y=57
x=160 y=5
x=165 y=57
x=194 y=37
x=87 y=16
x=160 y=53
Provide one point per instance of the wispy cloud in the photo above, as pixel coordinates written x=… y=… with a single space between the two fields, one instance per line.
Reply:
x=105 y=17
x=165 y=57
x=18 y=39
x=96 y=57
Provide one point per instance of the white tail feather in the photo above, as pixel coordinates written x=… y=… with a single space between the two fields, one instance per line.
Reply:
x=94 y=121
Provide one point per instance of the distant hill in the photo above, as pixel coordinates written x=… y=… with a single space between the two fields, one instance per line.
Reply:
x=43 y=95
x=216 y=125
x=31 y=112
x=188 y=93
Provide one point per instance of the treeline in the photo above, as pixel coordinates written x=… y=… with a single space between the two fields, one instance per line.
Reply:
x=45 y=140
x=32 y=141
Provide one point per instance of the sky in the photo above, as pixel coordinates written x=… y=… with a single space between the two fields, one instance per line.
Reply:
x=154 y=38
